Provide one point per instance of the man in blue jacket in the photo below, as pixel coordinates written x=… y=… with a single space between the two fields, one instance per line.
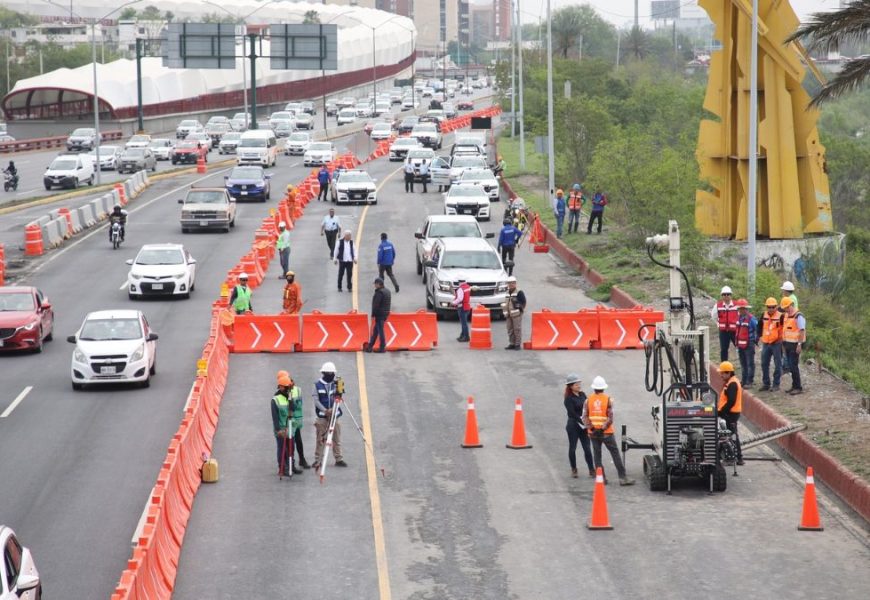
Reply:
x=386 y=258
x=323 y=178
x=507 y=243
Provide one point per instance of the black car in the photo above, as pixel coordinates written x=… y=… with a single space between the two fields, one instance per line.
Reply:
x=407 y=124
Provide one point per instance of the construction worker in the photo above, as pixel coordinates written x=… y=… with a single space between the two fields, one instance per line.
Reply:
x=326 y=391
x=386 y=259
x=292 y=294
x=559 y=208
x=598 y=419
x=462 y=302
x=724 y=312
x=381 y=302
x=323 y=178
x=282 y=408
x=574 y=401
x=770 y=330
x=297 y=421
x=745 y=339
x=330 y=226
x=576 y=200
x=498 y=169
x=599 y=201
x=240 y=299
x=282 y=244
x=507 y=243
x=731 y=403
x=794 y=334
x=515 y=306
x=787 y=290
x=345 y=258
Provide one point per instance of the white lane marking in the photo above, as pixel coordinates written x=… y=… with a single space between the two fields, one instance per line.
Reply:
x=98 y=229
x=16 y=402
x=27 y=192
x=141 y=524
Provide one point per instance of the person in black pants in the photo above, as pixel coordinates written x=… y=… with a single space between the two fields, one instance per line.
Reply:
x=380 y=313
x=345 y=258
x=409 y=177
x=574 y=400
x=507 y=243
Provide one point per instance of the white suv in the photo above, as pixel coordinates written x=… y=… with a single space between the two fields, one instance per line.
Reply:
x=467 y=199
x=19 y=579
x=69 y=171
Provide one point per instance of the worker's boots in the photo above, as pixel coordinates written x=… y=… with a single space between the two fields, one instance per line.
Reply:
x=626 y=481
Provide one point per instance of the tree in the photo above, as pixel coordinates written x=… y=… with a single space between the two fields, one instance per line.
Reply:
x=831 y=30
x=312 y=17
x=128 y=14
x=637 y=44
x=583 y=123
x=576 y=25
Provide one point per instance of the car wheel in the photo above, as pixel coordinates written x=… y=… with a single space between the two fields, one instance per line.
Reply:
x=48 y=187
x=91 y=180
x=419 y=266
x=39 y=343
x=147 y=382
x=154 y=168
x=77 y=386
x=429 y=304
x=185 y=230
x=50 y=335
x=153 y=369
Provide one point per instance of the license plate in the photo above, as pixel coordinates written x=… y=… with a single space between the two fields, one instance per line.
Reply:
x=203 y=223
x=244 y=193
x=156 y=286
x=107 y=370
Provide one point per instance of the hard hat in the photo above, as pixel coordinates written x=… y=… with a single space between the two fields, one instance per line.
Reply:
x=282 y=224
x=786 y=302
x=284 y=380
x=726 y=290
x=576 y=186
x=289 y=187
x=787 y=286
x=511 y=279
x=771 y=302
x=559 y=192
x=598 y=383
x=243 y=275
x=726 y=367
x=572 y=378
x=742 y=303
x=327 y=367
x=289 y=274
x=282 y=373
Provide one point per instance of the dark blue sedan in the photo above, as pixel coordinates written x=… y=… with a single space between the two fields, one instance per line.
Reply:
x=244 y=183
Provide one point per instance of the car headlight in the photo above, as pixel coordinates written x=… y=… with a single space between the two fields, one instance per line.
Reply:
x=79 y=356
x=445 y=286
x=186 y=214
x=502 y=287
x=136 y=276
x=138 y=353
x=180 y=276
x=30 y=326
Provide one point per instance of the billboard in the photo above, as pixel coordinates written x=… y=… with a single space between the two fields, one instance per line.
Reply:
x=664 y=9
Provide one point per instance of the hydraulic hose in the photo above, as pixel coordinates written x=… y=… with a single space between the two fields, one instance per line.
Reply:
x=649 y=251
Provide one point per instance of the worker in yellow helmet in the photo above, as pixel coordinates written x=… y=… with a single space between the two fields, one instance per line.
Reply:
x=560 y=207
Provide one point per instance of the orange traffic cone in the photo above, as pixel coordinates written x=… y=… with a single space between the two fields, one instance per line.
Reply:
x=599 y=518
x=472 y=439
x=810 y=520
x=518 y=438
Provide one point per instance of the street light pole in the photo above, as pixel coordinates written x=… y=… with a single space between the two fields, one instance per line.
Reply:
x=753 y=152
x=551 y=159
x=513 y=73
x=521 y=106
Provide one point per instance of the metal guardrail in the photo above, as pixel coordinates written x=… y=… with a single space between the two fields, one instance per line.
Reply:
x=48 y=142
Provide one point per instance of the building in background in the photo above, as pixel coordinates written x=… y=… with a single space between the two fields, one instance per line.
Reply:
x=482 y=22
x=501 y=20
x=400 y=7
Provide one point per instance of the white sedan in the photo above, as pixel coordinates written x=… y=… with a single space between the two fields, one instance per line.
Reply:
x=297 y=143
x=161 y=270
x=141 y=140
x=319 y=153
x=381 y=131
x=162 y=148
x=113 y=346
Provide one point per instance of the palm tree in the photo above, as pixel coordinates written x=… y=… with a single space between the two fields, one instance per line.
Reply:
x=831 y=30
x=637 y=43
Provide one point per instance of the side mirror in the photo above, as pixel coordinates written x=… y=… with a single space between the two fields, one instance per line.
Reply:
x=71 y=339
x=192 y=261
x=152 y=337
x=181 y=201
x=431 y=263
x=27 y=583
x=489 y=236
x=226 y=177
x=130 y=261
x=418 y=235
x=46 y=305
x=268 y=176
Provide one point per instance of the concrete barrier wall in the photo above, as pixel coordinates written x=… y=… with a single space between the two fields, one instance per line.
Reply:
x=86 y=215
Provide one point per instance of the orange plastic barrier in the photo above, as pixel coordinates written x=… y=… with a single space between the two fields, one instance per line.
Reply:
x=618 y=328
x=122 y=194
x=266 y=333
x=344 y=332
x=481 y=329
x=411 y=331
x=33 y=245
x=563 y=330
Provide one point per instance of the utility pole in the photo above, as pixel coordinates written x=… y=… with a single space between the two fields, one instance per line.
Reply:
x=514 y=28
x=551 y=146
x=252 y=37
x=636 y=21
x=753 y=152
x=139 y=110
x=521 y=86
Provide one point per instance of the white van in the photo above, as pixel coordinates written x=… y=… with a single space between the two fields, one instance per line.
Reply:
x=258 y=147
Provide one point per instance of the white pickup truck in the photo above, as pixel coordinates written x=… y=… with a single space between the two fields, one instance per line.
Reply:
x=442 y=226
x=474 y=137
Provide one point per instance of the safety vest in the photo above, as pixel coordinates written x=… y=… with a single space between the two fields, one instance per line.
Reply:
x=575 y=201
x=326 y=397
x=466 y=295
x=727 y=316
x=283 y=240
x=743 y=331
x=283 y=405
x=790 y=331
x=596 y=410
x=243 y=299
x=771 y=328
x=723 y=398
x=296 y=395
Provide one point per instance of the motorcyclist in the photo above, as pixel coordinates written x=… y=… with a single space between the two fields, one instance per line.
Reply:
x=12 y=172
x=118 y=215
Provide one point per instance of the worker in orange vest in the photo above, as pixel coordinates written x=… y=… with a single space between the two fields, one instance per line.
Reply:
x=576 y=200
x=731 y=403
x=794 y=334
x=770 y=331
x=598 y=419
x=725 y=314
x=292 y=294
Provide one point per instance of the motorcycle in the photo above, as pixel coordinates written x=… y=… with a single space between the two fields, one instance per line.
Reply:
x=115 y=235
x=10 y=181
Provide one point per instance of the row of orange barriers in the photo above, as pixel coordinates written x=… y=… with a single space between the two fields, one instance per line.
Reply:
x=323 y=332
x=465 y=120
x=599 y=328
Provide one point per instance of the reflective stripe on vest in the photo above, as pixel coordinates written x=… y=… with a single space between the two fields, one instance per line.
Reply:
x=575 y=201
x=727 y=316
x=771 y=328
x=790 y=331
x=243 y=299
x=743 y=333
x=596 y=410
x=738 y=402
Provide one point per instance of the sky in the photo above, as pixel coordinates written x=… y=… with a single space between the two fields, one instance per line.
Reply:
x=621 y=12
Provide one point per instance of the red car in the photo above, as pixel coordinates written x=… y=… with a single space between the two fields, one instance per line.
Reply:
x=465 y=105
x=26 y=319
x=189 y=151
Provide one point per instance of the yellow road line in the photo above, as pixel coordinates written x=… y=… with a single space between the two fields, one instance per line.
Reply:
x=371 y=467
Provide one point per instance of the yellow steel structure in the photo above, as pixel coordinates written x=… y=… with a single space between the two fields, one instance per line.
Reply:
x=793 y=193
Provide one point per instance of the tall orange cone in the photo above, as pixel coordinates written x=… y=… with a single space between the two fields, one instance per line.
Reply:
x=518 y=438
x=810 y=520
x=472 y=439
x=599 y=519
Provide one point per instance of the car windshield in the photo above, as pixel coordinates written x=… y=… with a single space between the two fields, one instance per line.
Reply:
x=246 y=173
x=470 y=259
x=16 y=301
x=346 y=113
x=421 y=154
x=134 y=152
x=160 y=143
x=218 y=120
x=381 y=127
x=160 y=256
x=139 y=138
x=283 y=125
x=186 y=144
x=83 y=132
x=200 y=137
x=465 y=190
x=476 y=174
x=299 y=137
x=320 y=146
x=281 y=115
x=231 y=136
x=63 y=164
x=252 y=143
x=425 y=127
x=355 y=178
x=406 y=142
x=106 y=150
x=188 y=124
x=110 y=329
x=469 y=161
x=441 y=230
x=206 y=197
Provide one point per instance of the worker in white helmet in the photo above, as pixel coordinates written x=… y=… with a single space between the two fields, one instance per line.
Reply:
x=327 y=388
x=725 y=314
x=598 y=419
